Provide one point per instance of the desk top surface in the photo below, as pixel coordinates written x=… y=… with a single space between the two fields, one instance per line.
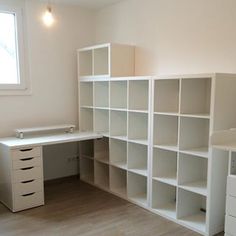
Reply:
x=48 y=139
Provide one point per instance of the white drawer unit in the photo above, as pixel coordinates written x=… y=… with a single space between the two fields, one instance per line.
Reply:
x=22 y=172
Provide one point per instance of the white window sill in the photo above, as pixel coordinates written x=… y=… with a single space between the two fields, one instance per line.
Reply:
x=14 y=90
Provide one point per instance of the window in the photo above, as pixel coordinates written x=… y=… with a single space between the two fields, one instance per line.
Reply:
x=12 y=51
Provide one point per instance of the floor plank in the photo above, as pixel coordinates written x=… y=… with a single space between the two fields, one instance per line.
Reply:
x=74 y=208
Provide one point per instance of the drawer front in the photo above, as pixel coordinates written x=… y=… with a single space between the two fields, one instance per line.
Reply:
x=26 y=153
x=231 y=206
x=27 y=174
x=230 y=225
x=27 y=162
x=231 y=186
x=28 y=187
x=22 y=202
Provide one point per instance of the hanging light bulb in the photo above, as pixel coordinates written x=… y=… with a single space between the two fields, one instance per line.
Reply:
x=48 y=18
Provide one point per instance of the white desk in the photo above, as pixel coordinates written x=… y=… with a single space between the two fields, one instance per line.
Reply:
x=21 y=167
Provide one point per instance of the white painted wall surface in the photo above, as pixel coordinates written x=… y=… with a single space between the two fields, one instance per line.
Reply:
x=173 y=36
x=53 y=74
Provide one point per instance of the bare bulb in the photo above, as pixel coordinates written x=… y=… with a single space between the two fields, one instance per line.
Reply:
x=48 y=18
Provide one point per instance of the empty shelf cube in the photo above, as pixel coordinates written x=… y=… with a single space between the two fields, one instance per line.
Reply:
x=86 y=148
x=137 y=158
x=101 y=94
x=86 y=63
x=101 y=61
x=196 y=96
x=192 y=210
x=137 y=188
x=101 y=150
x=118 y=124
x=86 y=119
x=166 y=131
x=138 y=127
x=164 y=199
x=118 y=94
x=118 y=153
x=166 y=96
x=193 y=173
x=139 y=95
x=86 y=94
x=118 y=181
x=164 y=167
x=101 y=172
x=101 y=121
x=194 y=135
x=87 y=169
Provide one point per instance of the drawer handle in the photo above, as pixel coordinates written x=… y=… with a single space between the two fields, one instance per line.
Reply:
x=26 y=150
x=27 y=159
x=28 y=181
x=28 y=194
x=27 y=168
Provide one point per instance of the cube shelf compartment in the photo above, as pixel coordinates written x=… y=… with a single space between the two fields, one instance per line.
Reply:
x=86 y=119
x=164 y=198
x=118 y=181
x=101 y=173
x=137 y=188
x=101 y=121
x=164 y=166
x=139 y=120
x=166 y=131
x=85 y=63
x=87 y=169
x=139 y=95
x=101 y=150
x=101 y=61
x=198 y=142
x=86 y=94
x=118 y=94
x=191 y=210
x=166 y=96
x=137 y=158
x=118 y=124
x=101 y=94
x=118 y=153
x=196 y=96
x=86 y=149
x=193 y=173
x=106 y=60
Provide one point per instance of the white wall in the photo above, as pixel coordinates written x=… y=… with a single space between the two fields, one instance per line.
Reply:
x=53 y=73
x=173 y=36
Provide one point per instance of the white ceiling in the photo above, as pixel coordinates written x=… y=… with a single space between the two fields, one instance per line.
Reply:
x=95 y=4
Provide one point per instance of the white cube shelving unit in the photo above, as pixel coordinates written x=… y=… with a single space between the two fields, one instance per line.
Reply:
x=106 y=60
x=157 y=132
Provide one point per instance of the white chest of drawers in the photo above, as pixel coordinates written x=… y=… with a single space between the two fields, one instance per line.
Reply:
x=21 y=178
x=230 y=219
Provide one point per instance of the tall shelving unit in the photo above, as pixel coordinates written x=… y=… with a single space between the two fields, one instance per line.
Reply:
x=155 y=151
x=186 y=111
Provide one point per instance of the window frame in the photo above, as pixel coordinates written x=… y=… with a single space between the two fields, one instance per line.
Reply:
x=23 y=87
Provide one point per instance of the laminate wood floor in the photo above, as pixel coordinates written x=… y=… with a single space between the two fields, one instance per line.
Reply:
x=75 y=208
